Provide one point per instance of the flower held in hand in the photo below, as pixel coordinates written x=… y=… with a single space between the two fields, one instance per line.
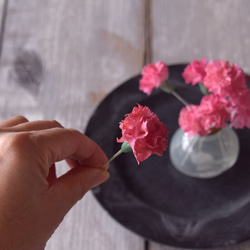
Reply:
x=144 y=132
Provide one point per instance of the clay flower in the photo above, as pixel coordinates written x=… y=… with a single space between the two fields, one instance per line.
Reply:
x=223 y=79
x=189 y=120
x=240 y=111
x=153 y=75
x=226 y=100
x=143 y=133
x=213 y=112
x=195 y=71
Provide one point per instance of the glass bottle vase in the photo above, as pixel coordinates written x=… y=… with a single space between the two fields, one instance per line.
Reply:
x=204 y=156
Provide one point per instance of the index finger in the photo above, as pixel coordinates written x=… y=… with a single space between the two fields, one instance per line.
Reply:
x=57 y=144
x=13 y=121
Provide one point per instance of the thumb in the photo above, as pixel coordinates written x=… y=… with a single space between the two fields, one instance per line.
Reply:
x=71 y=187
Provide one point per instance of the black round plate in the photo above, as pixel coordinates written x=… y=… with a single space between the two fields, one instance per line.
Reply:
x=153 y=199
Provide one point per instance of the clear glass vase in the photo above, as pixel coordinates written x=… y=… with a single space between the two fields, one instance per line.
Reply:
x=206 y=156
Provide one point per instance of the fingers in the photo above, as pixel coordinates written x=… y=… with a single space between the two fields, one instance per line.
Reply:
x=72 y=163
x=31 y=126
x=71 y=187
x=52 y=174
x=52 y=143
x=35 y=125
x=16 y=120
x=58 y=144
x=68 y=189
x=42 y=143
x=21 y=124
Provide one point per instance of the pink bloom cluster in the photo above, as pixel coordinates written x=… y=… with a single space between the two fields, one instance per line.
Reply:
x=198 y=119
x=195 y=71
x=229 y=98
x=224 y=80
x=144 y=132
x=153 y=75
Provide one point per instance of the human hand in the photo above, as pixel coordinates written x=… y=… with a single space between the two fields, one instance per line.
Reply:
x=33 y=201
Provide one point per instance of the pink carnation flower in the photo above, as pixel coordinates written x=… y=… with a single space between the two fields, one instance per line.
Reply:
x=195 y=71
x=212 y=112
x=239 y=82
x=144 y=132
x=223 y=79
x=153 y=76
x=189 y=120
x=218 y=77
x=240 y=111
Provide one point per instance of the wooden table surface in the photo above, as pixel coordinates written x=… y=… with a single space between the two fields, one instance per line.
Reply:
x=60 y=58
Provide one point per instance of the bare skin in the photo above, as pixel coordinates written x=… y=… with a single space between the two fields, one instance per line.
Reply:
x=33 y=201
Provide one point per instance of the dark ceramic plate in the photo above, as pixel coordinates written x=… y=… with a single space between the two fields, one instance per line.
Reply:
x=153 y=199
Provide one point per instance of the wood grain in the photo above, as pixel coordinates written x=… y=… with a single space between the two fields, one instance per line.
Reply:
x=60 y=59
x=183 y=30
x=3 y=14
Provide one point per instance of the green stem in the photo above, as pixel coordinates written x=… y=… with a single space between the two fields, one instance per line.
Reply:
x=180 y=98
x=168 y=88
x=125 y=148
x=112 y=158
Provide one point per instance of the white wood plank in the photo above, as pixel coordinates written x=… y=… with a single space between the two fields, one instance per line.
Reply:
x=86 y=47
x=3 y=11
x=60 y=58
x=2 y=2
x=183 y=30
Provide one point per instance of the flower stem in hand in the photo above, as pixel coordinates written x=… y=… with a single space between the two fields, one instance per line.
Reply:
x=168 y=88
x=125 y=148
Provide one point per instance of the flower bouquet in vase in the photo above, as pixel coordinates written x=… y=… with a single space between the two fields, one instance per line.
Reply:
x=196 y=127
x=205 y=145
